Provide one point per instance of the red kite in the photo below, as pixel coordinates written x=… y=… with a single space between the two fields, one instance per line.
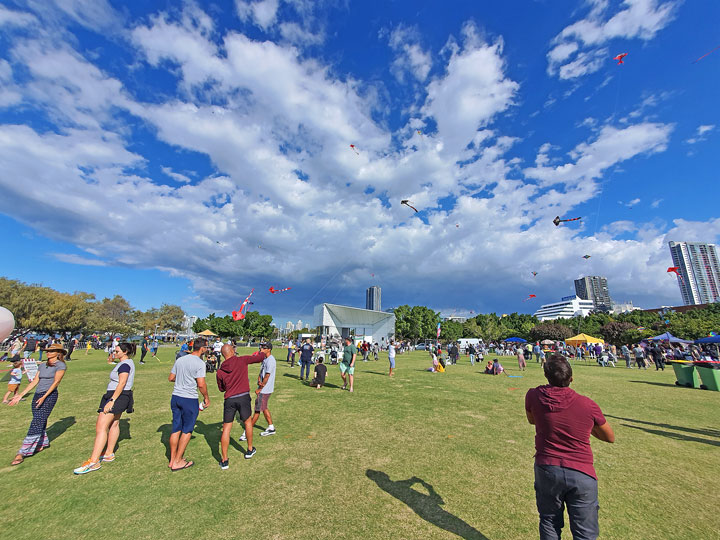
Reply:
x=620 y=57
x=273 y=290
x=354 y=149
x=557 y=221
x=239 y=315
x=676 y=269
x=530 y=297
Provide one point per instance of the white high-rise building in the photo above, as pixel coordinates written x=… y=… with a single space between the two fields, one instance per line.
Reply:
x=289 y=326
x=699 y=278
x=299 y=325
x=569 y=306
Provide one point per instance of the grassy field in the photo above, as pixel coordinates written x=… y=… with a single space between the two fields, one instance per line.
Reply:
x=421 y=455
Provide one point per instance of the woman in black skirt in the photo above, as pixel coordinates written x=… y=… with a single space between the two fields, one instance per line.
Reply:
x=117 y=399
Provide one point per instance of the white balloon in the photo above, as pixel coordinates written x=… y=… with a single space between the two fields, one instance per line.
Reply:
x=7 y=323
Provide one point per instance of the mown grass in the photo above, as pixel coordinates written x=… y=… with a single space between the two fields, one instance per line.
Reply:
x=418 y=456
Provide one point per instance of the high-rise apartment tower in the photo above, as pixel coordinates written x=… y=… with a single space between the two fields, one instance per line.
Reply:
x=594 y=288
x=699 y=278
x=372 y=298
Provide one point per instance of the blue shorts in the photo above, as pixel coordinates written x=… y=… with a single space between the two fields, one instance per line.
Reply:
x=392 y=362
x=184 y=413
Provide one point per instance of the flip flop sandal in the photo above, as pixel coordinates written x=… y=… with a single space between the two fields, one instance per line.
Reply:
x=17 y=461
x=186 y=466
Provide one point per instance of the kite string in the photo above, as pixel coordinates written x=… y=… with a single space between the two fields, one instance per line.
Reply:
x=321 y=289
x=597 y=213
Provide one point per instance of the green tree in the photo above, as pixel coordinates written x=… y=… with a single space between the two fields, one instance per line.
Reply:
x=550 y=330
x=450 y=331
x=614 y=332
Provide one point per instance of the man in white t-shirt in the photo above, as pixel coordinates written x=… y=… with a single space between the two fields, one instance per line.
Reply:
x=266 y=386
x=391 y=357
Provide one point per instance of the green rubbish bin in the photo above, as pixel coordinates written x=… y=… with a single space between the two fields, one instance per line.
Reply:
x=710 y=377
x=686 y=375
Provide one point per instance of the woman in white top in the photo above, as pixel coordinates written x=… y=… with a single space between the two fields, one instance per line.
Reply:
x=117 y=399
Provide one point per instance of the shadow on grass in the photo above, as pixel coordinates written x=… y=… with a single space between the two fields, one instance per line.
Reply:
x=165 y=430
x=425 y=506
x=212 y=434
x=708 y=432
x=676 y=436
x=658 y=384
x=59 y=427
x=375 y=373
x=297 y=378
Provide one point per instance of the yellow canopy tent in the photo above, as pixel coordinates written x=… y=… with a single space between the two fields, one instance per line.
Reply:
x=582 y=338
x=206 y=333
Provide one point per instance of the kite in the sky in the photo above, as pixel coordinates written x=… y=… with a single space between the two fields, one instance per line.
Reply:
x=273 y=290
x=406 y=202
x=675 y=269
x=620 y=57
x=704 y=55
x=457 y=225
x=586 y=257
x=530 y=297
x=354 y=149
x=534 y=274
x=239 y=315
x=557 y=221
x=419 y=132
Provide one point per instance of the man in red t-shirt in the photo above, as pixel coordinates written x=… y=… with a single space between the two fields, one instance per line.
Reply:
x=564 y=473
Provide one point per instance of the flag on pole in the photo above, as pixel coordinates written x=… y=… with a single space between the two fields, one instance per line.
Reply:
x=438 y=332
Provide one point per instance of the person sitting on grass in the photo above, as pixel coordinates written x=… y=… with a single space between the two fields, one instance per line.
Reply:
x=118 y=398
x=497 y=368
x=434 y=367
x=319 y=373
x=489 y=368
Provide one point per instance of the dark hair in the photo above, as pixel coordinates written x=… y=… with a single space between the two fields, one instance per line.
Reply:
x=558 y=371
x=320 y=359
x=199 y=343
x=128 y=348
x=266 y=345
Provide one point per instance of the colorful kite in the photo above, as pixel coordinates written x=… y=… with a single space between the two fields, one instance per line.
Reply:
x=620 y=57
x=530 y=297
x=675 y=269
x=273 y=290
x=586 y=257
x=239 y=315
x=641 y=328
x=406 y=202
x=557 y=221
x=704 y=55
x=354 y=149
x=534 y=274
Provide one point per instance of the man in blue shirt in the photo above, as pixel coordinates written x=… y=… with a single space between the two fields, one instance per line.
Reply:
x=306 y=352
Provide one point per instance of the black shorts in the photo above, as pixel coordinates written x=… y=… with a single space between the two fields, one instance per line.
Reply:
x=124 y=402
x=239 y=404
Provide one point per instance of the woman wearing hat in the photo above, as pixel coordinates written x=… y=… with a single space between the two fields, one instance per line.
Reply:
x=47 y=380
x=117 y=399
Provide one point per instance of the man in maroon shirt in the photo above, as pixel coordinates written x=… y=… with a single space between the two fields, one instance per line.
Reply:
x=564 y=473
x=232 y=378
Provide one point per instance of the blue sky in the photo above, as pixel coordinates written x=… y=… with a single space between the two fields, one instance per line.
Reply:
x=186 y=152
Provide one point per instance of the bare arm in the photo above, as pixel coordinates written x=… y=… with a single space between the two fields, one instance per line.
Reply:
x=604 y=433
x=18 y=397
x=171 y=377
x=202 y=386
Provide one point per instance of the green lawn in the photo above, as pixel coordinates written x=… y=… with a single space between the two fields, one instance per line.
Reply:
x=418 y=456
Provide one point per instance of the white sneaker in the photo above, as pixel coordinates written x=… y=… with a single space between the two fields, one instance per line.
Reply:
x=243 y=437
x=267 y=432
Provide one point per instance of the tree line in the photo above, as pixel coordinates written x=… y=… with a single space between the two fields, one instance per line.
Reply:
x=43 y=309
x=420 y=323
x=253 y=325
